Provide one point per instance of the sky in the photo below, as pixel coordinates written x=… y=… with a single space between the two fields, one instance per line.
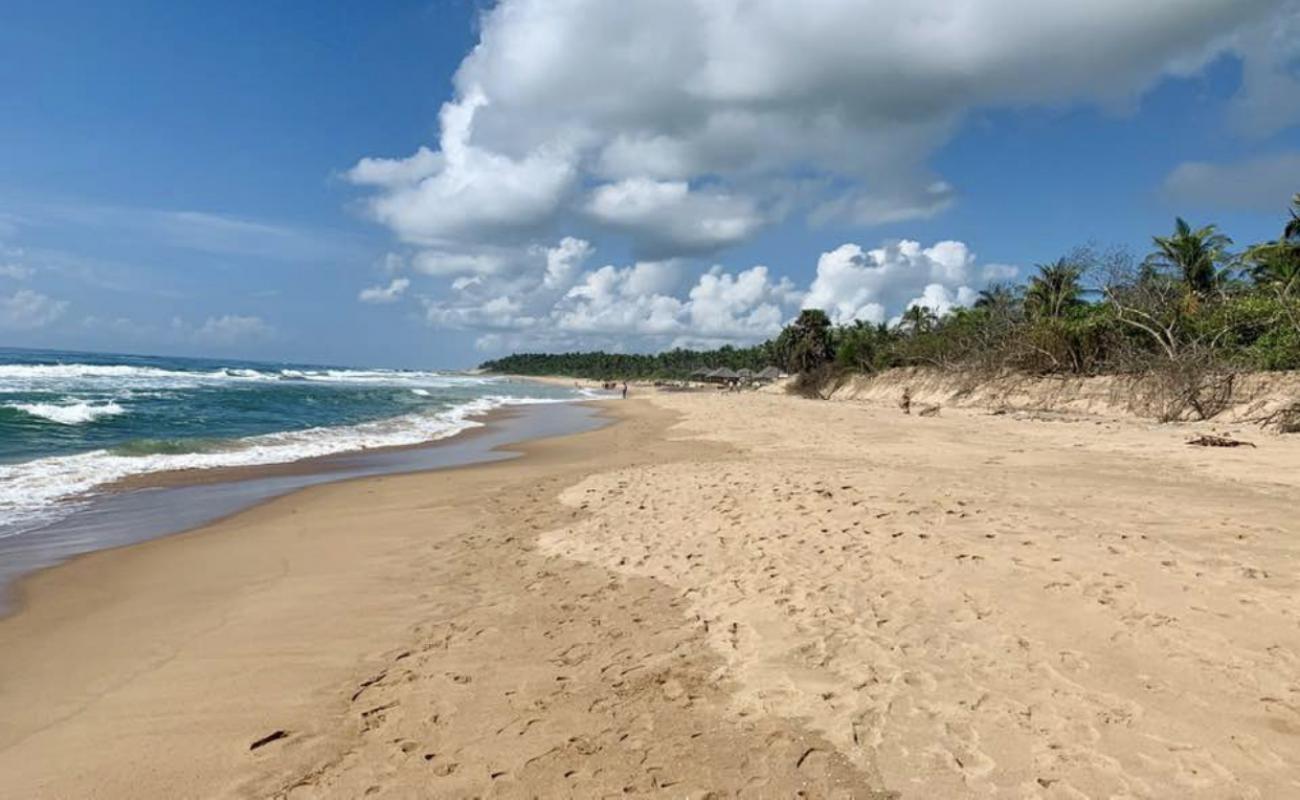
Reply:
x=430 y=184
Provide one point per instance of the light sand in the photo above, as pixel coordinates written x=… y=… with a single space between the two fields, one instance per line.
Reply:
x=743 y=594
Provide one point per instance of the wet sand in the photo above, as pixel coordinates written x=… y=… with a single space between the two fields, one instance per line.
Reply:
x=162 y=503
x=720 y=595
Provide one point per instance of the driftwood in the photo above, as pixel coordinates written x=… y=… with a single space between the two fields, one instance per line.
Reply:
x=267 y=739
x=928 y=411
x=1211 y=440
x=1284 y=420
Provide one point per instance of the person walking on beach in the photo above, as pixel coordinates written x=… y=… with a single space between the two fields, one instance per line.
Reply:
x=624 y=390
x=906 y=402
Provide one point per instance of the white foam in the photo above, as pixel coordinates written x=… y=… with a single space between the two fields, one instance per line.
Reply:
x=34 y=492
x=75 y=413
x=73 y=377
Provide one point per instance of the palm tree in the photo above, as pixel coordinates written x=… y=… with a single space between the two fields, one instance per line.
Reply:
x=1277 y=264
x=918 y=319
x=808 y=341
x=1054 y=290
x=1194 y=254
x=1277 y=267
x=999 y=298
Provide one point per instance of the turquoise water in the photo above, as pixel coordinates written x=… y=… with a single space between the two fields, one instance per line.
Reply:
x=71 y=422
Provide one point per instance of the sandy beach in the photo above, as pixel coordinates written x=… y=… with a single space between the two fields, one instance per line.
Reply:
x=718 y=595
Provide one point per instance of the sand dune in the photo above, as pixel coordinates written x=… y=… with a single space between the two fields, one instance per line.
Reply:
x=722 y=595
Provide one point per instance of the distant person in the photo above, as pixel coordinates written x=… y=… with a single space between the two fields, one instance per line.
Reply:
x=906 y=402
x=624 y=390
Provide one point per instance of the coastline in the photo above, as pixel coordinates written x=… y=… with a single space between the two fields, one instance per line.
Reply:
x=192 y=648
x=719 y=592
x=152 y=505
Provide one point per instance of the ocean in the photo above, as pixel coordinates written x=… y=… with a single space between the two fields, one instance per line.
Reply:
x=72 y=422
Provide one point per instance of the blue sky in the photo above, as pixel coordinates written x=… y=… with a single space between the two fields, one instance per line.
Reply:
x=231 y=179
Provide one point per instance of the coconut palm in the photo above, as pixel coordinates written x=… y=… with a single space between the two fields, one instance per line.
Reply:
x=999 y=298
x=1194 y=254
x=1277 y=264
x=1054 y=290
x=1277 y=267
x=918 y=319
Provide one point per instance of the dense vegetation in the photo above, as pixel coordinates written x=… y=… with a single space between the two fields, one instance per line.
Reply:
x=1192 y=312
x=632 y=366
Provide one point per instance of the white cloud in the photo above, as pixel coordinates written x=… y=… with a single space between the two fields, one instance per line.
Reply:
x=563 y=262
x=1263 y=184
x=852 y=284
x=676 y=128
x=1269 y=100
x=439 y=262
x=385 y=294
x=232 y=329
x=998 y=273
x=941 y=299
x=672 y=219
x=16 y=272
x=465 y=192
x=655 y=304
x=26 y=309
x=691 y=117
x=392 y=173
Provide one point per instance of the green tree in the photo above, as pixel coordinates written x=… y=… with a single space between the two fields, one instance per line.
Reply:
x=918 y=319
x=1196 y=255
x=999 y=299
x=1054 y=290
x=808 y=341
x=1276 y=265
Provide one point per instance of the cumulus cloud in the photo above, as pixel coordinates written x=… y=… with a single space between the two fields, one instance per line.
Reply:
x=26 y=309
x=689 y=117
x=853 y=284
x=563 y=262
x=674 y=129
x=1264 y=184
x=1269 y=100
x=385 y=294
x=232 y=329
x=672 y=219
x=647 y=304
x=465 y=191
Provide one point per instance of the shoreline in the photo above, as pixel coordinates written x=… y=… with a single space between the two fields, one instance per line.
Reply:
x=139 y=502
x=263 y=672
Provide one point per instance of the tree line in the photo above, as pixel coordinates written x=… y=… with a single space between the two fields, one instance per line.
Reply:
x=597 y=365
x=1192 y=311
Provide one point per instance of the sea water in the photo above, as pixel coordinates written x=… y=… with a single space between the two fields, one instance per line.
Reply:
x=72 y=423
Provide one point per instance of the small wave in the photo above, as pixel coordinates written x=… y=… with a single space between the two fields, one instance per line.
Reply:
x=136 y=448
x=70 y=413
x=29 y=490
x=420 y=392
x=53 y=377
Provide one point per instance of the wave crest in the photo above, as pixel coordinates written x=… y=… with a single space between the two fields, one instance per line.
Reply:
x=78 y=413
